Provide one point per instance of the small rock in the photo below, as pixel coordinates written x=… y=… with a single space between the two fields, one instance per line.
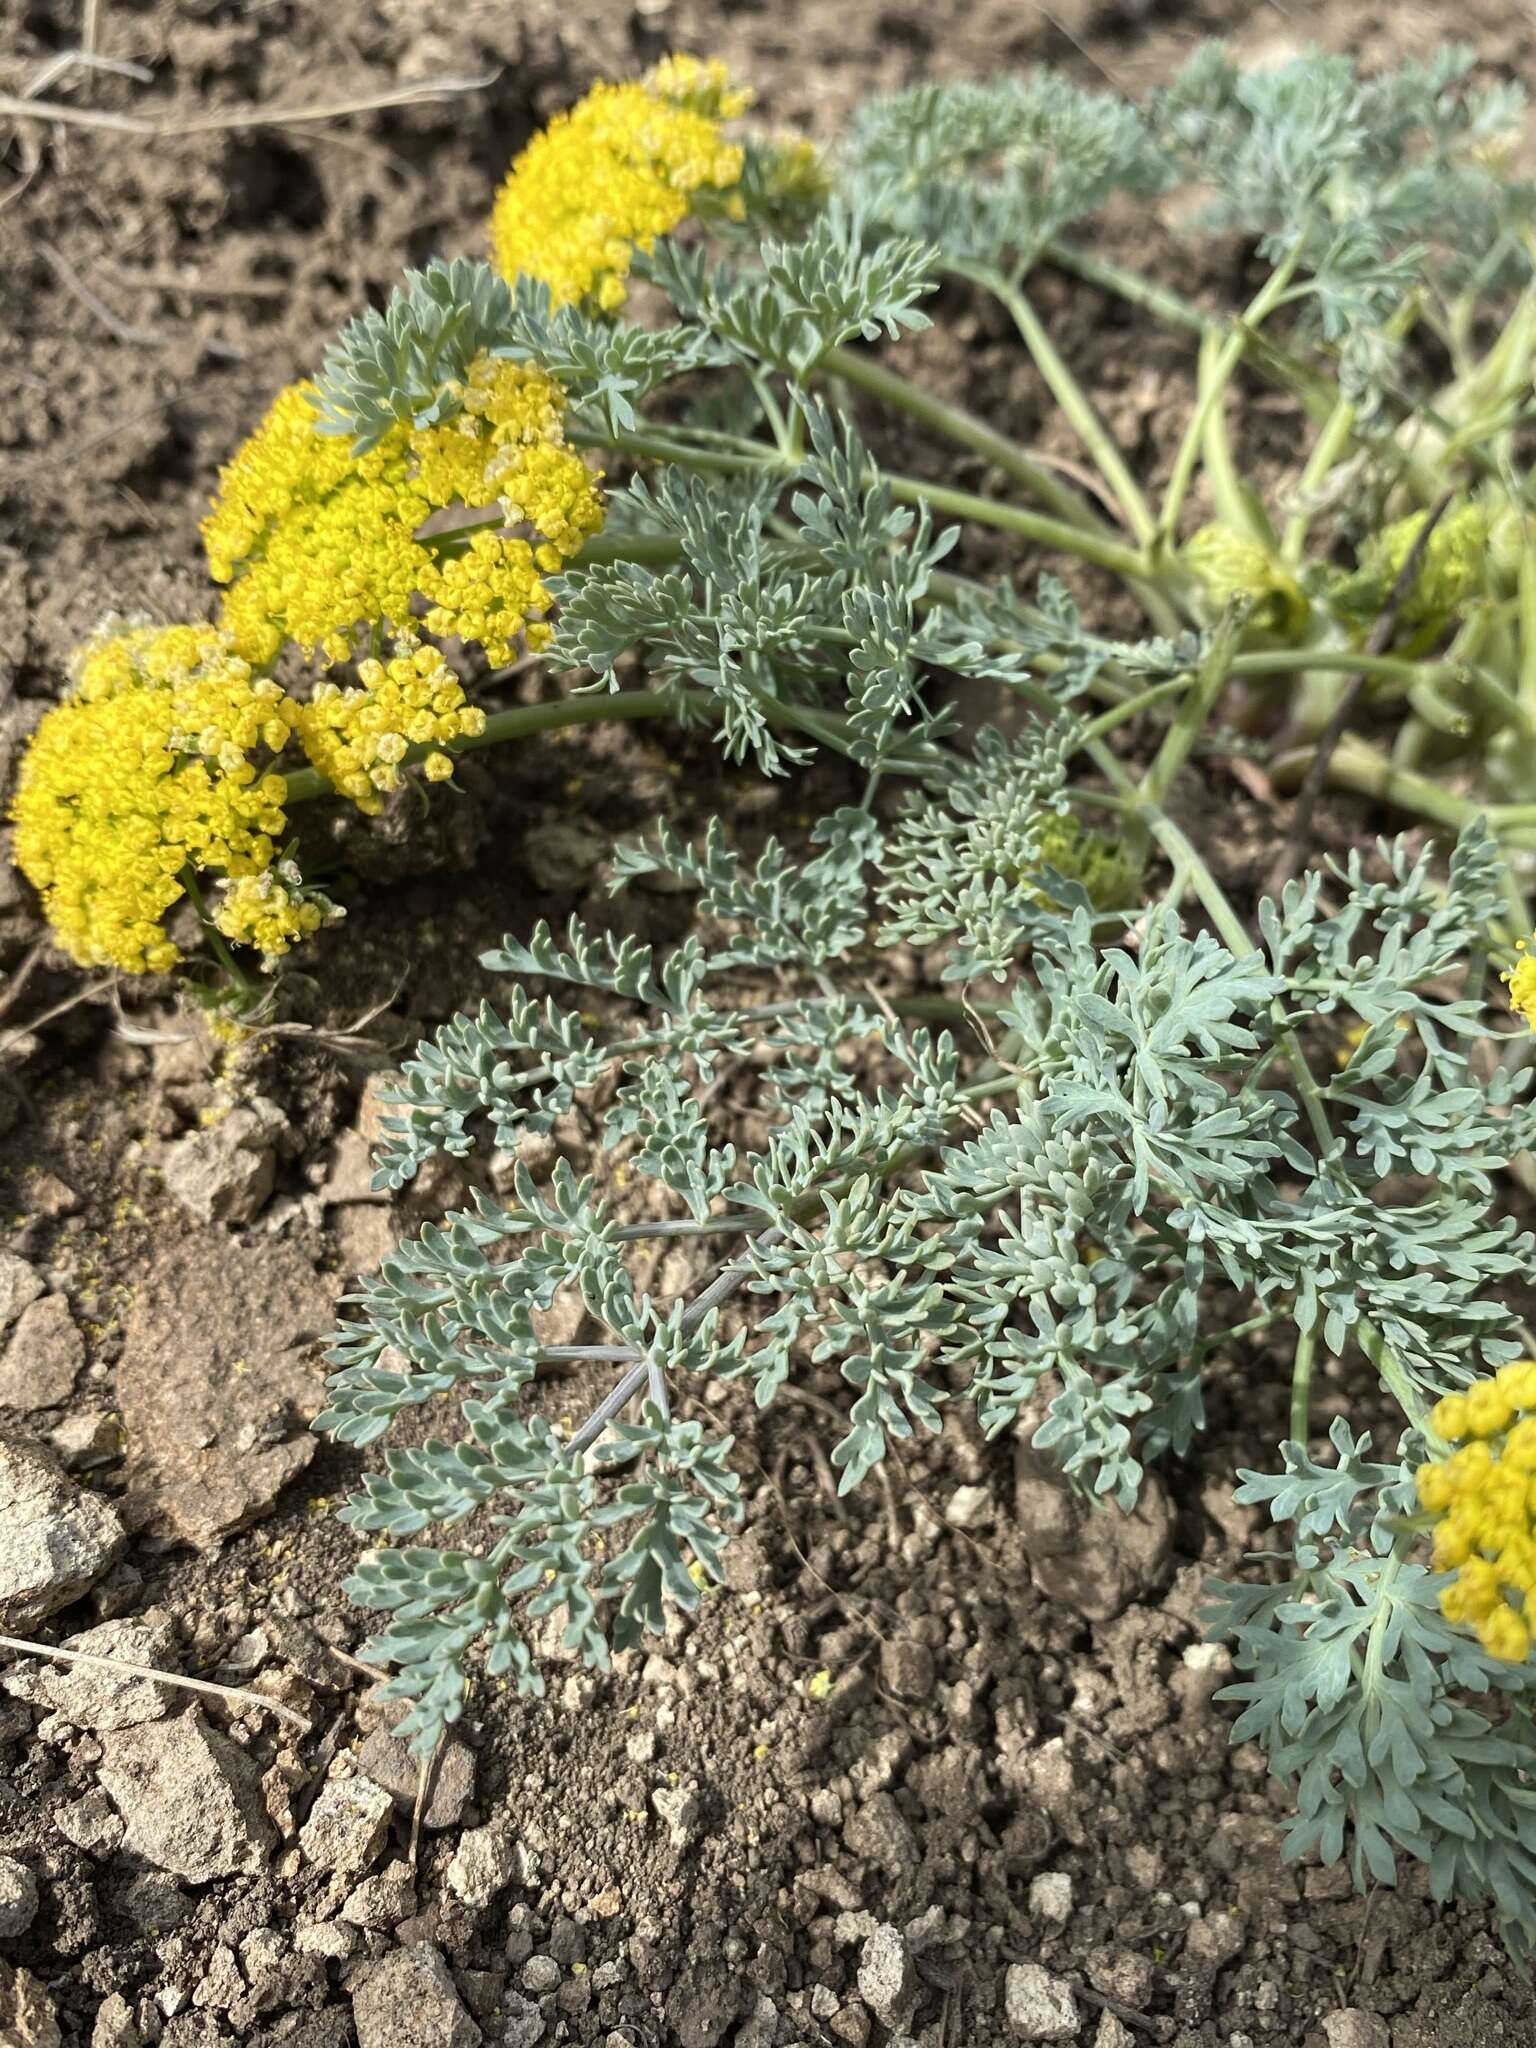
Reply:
x=1353 y=2027
x=86 y=1695
x=27 y=2018
x=888 y=1977
x=56 y=1539
x=221 y=1984
x=20 y=1285
x=906 y=1667
x=157 y=1903
x=1114 y=2033
x=225 y=1173
x=218 y=1382
x=42 y=1361
x=49 y=1196
x=93 y=1824
x=347 y=1825
x=327 y=1939
x=540 y=1974
x=522 y=2023
x=879 y=1833
x=1095 y=1560
x=1038 y=2006
x=969 y=1507
x=681 y=1807
x=408 y=2000
x=1215 y=1938
x=87 y=1439
x=383 y=1900
x=395 y=1766
x=192 y=1801
x=114 y=2026
x=482 y=1866
x=1050 y=1897
x=18 y=1898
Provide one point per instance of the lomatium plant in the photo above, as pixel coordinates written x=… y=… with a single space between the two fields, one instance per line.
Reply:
x=1133 y=1129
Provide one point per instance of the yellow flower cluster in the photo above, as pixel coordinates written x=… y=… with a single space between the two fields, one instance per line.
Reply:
x=1231 y=565
x=613 y=173
x=271 y=911
x=1484 y=1497
x=314 y=540
x=358 y=738
x=142 y=772
x=1522 y=985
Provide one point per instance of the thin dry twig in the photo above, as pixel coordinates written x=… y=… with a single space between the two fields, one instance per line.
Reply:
x=23 y=974
x=19 y=109
x=136 y=337
x=1317 y=768
x=423 y=1791
x=193 y=287
x=127 y=1670
x=81 y=995
x=73 y=454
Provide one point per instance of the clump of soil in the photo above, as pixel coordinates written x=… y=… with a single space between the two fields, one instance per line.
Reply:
x=940 y=1763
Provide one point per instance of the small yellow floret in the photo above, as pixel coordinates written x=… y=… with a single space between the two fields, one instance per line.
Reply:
x=143 y=772
x=1482 y=1496
x=1448 y=1417
x=315 y=541
x=358 y=738
x=271 y=911
x=616 y=171
x=1489 y=1409
x=1521 y=979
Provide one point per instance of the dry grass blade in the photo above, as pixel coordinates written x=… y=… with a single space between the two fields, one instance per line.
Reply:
x=127 y=1670
x=240 y=117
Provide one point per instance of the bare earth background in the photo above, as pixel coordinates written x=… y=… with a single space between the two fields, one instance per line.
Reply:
x=1012 y=1757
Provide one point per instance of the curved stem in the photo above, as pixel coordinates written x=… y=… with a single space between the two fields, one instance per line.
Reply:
x=1073 y=400
x=1213 y=387
x=1052 y=533
x=1326 y=454
x=1301 y=1385
x=966 y=431
x=515 y=723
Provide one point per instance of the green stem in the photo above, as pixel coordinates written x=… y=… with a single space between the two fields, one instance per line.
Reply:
x=1316 y=393
x=1284 y=661
x=244 y=988
x=1236 y=506
x=1073 y=400
x=515 y=723
x=1179 y=740
x=1051 y=533
x=1213 y=388
x=1301 y=1385
x=1527 y=683
x=1326 y=454
x=966 y=431
x=1132 y=707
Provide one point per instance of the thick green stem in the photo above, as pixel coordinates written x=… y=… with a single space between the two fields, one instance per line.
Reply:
x=1236 y=505
x=1301 y=1385
x=966 y=431
x=1213 y=387
x=1073 y=400
x=1180 y=738
x=1327 y=453
x=1052 y=533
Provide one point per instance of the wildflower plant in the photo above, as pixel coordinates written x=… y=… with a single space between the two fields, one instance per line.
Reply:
x=1130 y=1128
